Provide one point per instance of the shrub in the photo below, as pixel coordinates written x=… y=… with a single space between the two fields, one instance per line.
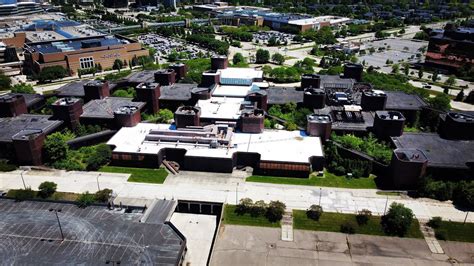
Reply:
x=275 y=211
x=314 y=212
x=398 y=220
x=99 y=157
x=23 y=194
x=340 y=170
x=441 y=235
x=348 y=227
x=85 y=199
x=435 y=222
x=103 y=195
x=363 y=216
x=463 y=195
x=46 y=189
x=244 y=206
x=6 y=167
x=258 y=208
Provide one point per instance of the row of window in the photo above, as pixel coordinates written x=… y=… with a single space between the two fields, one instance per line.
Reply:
x=86 y=62
x=284 y=166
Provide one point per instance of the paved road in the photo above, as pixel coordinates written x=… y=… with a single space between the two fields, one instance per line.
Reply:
x=230 y=188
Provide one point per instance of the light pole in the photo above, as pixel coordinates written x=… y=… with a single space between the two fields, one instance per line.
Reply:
x=385 y=209
x=465 y=218
x=237 y=194
x=98 y=187
x=320 y=194
x=22 y=179
x=59 y=223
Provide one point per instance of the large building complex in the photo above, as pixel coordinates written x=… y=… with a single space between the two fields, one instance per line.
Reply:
x=265 y=17
x=81 y=53
x=21 y=7
x=451 y=48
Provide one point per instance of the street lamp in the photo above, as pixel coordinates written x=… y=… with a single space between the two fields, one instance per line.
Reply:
x=98 y=187
x=236 y=194
x=23 y=179
x=59 y=223
x=320 y=193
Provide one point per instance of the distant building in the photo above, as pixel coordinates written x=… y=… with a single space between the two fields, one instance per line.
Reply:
x=451 y=48
x=81 y=53
x=21 y=7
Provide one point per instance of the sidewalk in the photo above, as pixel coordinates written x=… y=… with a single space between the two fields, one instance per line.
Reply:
x=219 y=190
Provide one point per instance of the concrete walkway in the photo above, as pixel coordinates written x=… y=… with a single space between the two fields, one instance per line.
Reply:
x=287 y=226
x=430 y=238
x=231 y=188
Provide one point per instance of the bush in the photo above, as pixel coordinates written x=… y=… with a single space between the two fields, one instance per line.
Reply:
x=244 y=206
x=348 y=227
x=441 y=235
x=340 y=170
x=275 y=211
x=100 y=157
x=363 y=216
x=463 y=195
x=6 y=167
x=398 y=220
x=439 y=190
x=22 y=194
x=85 y=199
x=103 y=195
x=259 y=208
x=314 y=212
x=435 y=222
x=46 y=189
x=51 y=73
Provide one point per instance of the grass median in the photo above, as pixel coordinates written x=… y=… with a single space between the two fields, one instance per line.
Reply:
x=331 y=222
x=455 y=231
x=328 y=180
x=139 y=175
x=231 y=217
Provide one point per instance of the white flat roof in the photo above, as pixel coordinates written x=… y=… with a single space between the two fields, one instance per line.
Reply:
x=316 y=20
x=241 y=73
x=272 y=145
x=231 y=90
x=225 y=108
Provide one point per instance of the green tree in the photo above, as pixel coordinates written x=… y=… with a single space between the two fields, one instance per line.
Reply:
x=420 y=73
x=275 y=211
x=51 y=73
x=451 y=81
x=460 y=96
x=395 y=68
x=262 y=56
x=103 y=195
x=238 y=59
x=440 y=102
x=435 y=76
x=244 y=206
x=85 y=199
x=23 y=88
x=99 y=157
x=46 y=189
x=273 y=41
x=406 y=68
x=118 y=65
x=5 y=82
x=55 y=147
x=314 y=212
x=398 y=220
x=278 y=59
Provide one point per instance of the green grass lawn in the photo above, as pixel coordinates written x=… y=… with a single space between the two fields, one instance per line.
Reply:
x=140 y=175
x=230 y=217
x=331 y=222
x=328 y=180
x=455 y=231
x=69 y=196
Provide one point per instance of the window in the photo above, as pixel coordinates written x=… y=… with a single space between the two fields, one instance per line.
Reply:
x=86 y=62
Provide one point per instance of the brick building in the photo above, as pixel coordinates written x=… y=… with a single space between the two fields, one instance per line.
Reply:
x=81 y=53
